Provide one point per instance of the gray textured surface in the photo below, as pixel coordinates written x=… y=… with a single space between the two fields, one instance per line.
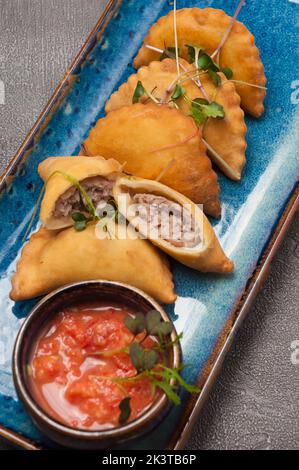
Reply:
x=255 y=401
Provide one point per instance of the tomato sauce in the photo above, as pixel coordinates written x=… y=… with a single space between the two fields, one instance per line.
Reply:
x=72 y=361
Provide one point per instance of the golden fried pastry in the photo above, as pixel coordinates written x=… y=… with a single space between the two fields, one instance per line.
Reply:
x=53 y=259
x=225 y=137
x=172 y=222
x=61 y=199
x=206 y=28
x=156 y=142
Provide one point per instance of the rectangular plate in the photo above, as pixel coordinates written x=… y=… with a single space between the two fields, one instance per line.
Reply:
x=255 y=212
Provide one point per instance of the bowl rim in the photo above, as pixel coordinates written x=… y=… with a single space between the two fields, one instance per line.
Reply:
x=37 y=412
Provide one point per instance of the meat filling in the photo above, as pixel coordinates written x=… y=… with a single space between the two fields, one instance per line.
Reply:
x=167 y=220
x=99 y=190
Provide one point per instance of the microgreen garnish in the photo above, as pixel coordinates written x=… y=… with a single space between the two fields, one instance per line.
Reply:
x=169 y=52
x=193 y=53
x=227 y=32
x=87 y=200
x=150 y=362
x=178 y=92
x=201 y=109
x=198 y=56
x=143 y=359
x=227 y=72
x=125 y=410
x=214 y=110
x=241 y=82
x=80 y=221
x=218 y=159
x=197 y=115
x=139 y=92
x=156 y=326
x=176 y=43
x=136 y=324
x=215 y=77
x=167 y=389
x=202 y=61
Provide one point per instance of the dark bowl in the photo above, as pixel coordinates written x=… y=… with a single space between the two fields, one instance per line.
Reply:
x=41 y=313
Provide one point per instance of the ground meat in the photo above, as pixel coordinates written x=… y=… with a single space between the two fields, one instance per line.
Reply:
x=167 y=220
x=99 y=190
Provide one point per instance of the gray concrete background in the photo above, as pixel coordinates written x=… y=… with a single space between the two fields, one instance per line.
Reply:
x=254 y=404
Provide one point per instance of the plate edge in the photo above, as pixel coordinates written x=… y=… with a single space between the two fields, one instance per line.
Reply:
x=111 y=8
x=253 y=287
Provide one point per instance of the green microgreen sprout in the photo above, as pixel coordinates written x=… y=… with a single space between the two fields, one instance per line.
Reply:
x=217 y=51
x=201 y=110
x=140 y=91
x=80 y=219
x=135 y=324
x=125 y=410
x=227 y=72
x=202 y=61
x=156 y=326
x=143 y=359
x=150 y=363
x=193 y=53
x=169 y=53
x=178 y=92
x=177 y=55
x=84 y=195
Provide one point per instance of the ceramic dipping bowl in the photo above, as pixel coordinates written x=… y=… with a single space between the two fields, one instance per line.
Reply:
x=45 y=310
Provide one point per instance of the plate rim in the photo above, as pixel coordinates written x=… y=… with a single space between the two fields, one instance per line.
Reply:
x=254 y=284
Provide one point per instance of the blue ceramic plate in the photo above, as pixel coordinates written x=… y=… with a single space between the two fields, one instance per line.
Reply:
x=251 y=210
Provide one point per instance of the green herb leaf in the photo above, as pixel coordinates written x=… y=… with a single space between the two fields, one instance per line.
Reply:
x=125 y=410
x=135 y=324
x=174 y=374
x=227 y=72
x=87 y=200
x=215 y=77
x=168 y=390
x=138 y=93
x=201 y=109
x=214 y=110
x=143 y=359
x=78 y=217
x=198 y=102
x=205 y=62
x=197 y=115
x=179 y=91
x=156 y=326
x=169 y=52
x=193 y=52
x=202 y=60
x=80 y=221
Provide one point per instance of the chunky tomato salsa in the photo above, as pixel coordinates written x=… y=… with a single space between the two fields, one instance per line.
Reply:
x=79 y=367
